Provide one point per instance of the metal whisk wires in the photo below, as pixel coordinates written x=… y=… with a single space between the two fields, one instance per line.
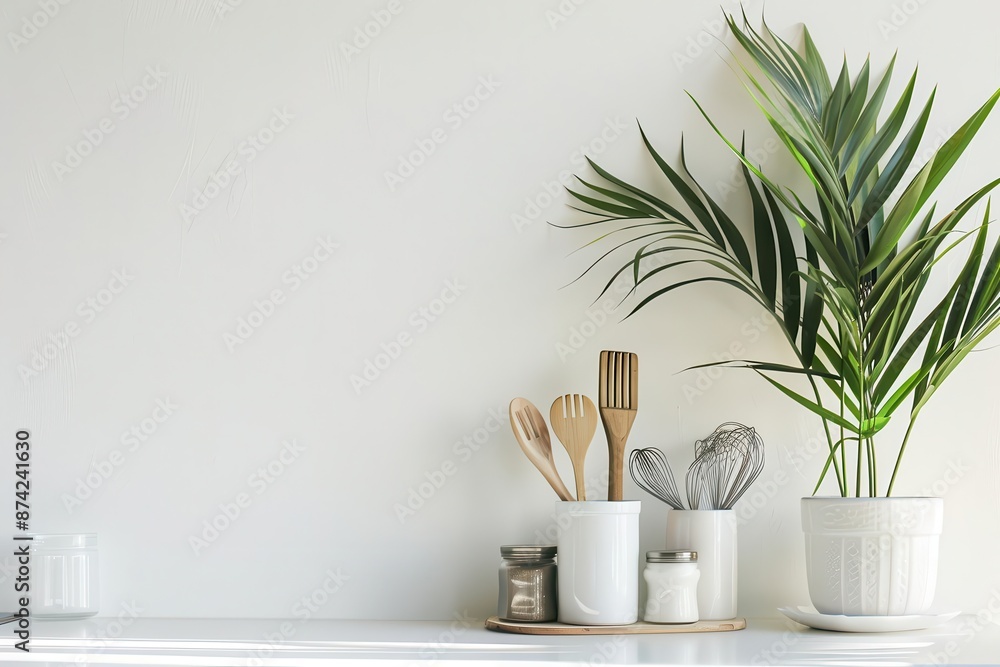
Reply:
x=726 y=464
x=651 y=472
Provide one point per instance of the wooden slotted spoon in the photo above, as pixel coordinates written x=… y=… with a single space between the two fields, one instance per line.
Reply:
x=533 y=436
x=618 y=399
x=574 y=421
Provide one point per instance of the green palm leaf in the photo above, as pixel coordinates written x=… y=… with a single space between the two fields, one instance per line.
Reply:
x=845 y=263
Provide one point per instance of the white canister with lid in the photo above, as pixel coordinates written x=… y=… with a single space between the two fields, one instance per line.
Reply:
x=64 y=574
x=671 y=587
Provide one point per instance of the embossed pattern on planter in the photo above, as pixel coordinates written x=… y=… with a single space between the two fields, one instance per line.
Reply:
x=834 y=558
x=872 y=556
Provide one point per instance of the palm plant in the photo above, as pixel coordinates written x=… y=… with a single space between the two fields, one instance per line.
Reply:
x=844 y=268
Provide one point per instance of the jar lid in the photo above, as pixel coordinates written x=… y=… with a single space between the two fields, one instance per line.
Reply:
x=671 y=556
x=528 y=551
x=63 y=541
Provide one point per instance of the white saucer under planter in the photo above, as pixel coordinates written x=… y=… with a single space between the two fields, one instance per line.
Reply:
x=872 y=556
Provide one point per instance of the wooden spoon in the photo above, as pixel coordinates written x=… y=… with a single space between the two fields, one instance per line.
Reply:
x=533 y=436
x=574 y=421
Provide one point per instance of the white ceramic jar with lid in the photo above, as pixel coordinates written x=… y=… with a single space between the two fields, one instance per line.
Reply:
x=671 y=587
x=64 y=575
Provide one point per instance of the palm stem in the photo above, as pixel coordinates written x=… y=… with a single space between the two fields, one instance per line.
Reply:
x=857 y=486
x=872 y=470
x=899 y=457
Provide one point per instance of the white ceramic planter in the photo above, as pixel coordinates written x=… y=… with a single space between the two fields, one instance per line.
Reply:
x=712 y=533
x=872 y=556
x=598 y=562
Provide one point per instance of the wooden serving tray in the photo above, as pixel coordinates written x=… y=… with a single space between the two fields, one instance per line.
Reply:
x=640 y=628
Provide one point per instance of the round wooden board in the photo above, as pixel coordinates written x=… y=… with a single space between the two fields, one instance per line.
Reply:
x=640 y=628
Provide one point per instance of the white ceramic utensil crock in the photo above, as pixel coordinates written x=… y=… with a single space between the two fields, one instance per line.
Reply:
x=712 y=533
x=598 y=562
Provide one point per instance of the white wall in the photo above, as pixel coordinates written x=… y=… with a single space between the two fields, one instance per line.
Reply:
x=554 y=87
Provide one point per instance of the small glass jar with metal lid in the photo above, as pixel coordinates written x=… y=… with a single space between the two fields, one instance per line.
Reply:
x=671 y=587
x=528 y=584
x=64 y=576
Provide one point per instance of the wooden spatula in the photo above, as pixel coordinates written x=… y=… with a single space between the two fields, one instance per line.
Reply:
x=618 y=400
x=574 y=420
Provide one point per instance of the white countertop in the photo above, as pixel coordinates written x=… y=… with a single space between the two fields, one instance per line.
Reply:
x=150 y=641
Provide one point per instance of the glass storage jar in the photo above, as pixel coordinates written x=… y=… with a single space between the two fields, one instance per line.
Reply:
x=64 y=576
x=527 y=584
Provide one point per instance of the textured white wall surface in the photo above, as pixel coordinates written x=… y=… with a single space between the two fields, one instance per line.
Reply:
x=280 y=267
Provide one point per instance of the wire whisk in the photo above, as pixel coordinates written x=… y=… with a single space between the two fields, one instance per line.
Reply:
x=651 y=472
x=726 y=464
